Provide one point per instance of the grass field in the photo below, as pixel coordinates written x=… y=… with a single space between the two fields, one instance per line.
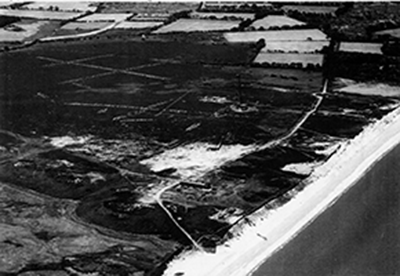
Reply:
x=391 y=32
x=197 y=25
x=295 y=46
x=106 y=17
x=275 y=21
x=42 y=15
x=27 y=30
x=138 y=24
x=361 y=47
x=288 y=58
x=62 y=6
x=287 y=35
x=148 y=8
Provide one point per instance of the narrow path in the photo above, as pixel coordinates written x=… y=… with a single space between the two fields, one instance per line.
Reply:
x=157 y=197
x=65 y=37
x=104 y=68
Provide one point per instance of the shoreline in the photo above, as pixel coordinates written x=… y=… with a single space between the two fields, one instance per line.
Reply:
x=273 y=228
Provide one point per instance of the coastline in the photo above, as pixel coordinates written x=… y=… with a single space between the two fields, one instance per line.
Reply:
x=271 y=229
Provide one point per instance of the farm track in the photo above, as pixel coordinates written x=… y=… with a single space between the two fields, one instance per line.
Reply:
x=79 y=60
x=123 y=71
x=66 y=37
x=137 y=108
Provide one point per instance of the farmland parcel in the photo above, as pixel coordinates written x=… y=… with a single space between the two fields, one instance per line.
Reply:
x=43 y=15
x=197 y=25
x=311 y=34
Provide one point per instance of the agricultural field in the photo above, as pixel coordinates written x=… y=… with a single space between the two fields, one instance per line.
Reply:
x=310 y=9
x=197 y=25
x=289 y=58
x=391 y=33
x=81 y=26
x=221 y=15
x=295 y=46
x=138 y=24
x=147 y=8
x=61 y=6
x=367 y=89
x=107 y=17
x=40 y=15
x=278 y=21
x=361 y=47
x=21 y=31
x=287 y=35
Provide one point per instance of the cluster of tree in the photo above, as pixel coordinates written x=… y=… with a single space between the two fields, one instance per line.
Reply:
x=364 y=67
x=226 y=17
x=391 y=48
x=281 y=28
x=178 y=15
x=6 y=20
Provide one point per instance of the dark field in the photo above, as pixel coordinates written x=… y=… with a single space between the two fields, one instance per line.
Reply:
x=134 y=100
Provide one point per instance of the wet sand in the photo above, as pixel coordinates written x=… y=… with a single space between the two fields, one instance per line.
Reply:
x=358 y=235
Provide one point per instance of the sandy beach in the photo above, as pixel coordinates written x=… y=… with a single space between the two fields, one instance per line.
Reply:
x=358 y=235
x=273 y=228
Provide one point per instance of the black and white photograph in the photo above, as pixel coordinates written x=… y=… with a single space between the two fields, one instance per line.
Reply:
x=199 y=138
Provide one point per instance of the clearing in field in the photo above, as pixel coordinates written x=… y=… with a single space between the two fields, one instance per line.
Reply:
x=197 y=25
x=20 y=31
x=71 y=6
x=391 y=32
x=361 y=47
x=105 y=17
x=310 y=9
x=138 y=24
x=43 y=15
x=295 y=46
x=276 y=21
x=288 y=35
x=288 y=58
x=221 y=15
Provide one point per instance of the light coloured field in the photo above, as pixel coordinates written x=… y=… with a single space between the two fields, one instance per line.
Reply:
x=28 y=31
x=138 y=24
x=368 y=89
x=392 y=32
x=84 y=25
x=105 y=17
x=221 y=15
x=288 y=35
x=361 y=47
x=62 y=6
x=295 y=46
x=286 y=58
x=36 y=14
x=197 y=25
x=276 y=21
x=148 y=7
x=310 y=9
